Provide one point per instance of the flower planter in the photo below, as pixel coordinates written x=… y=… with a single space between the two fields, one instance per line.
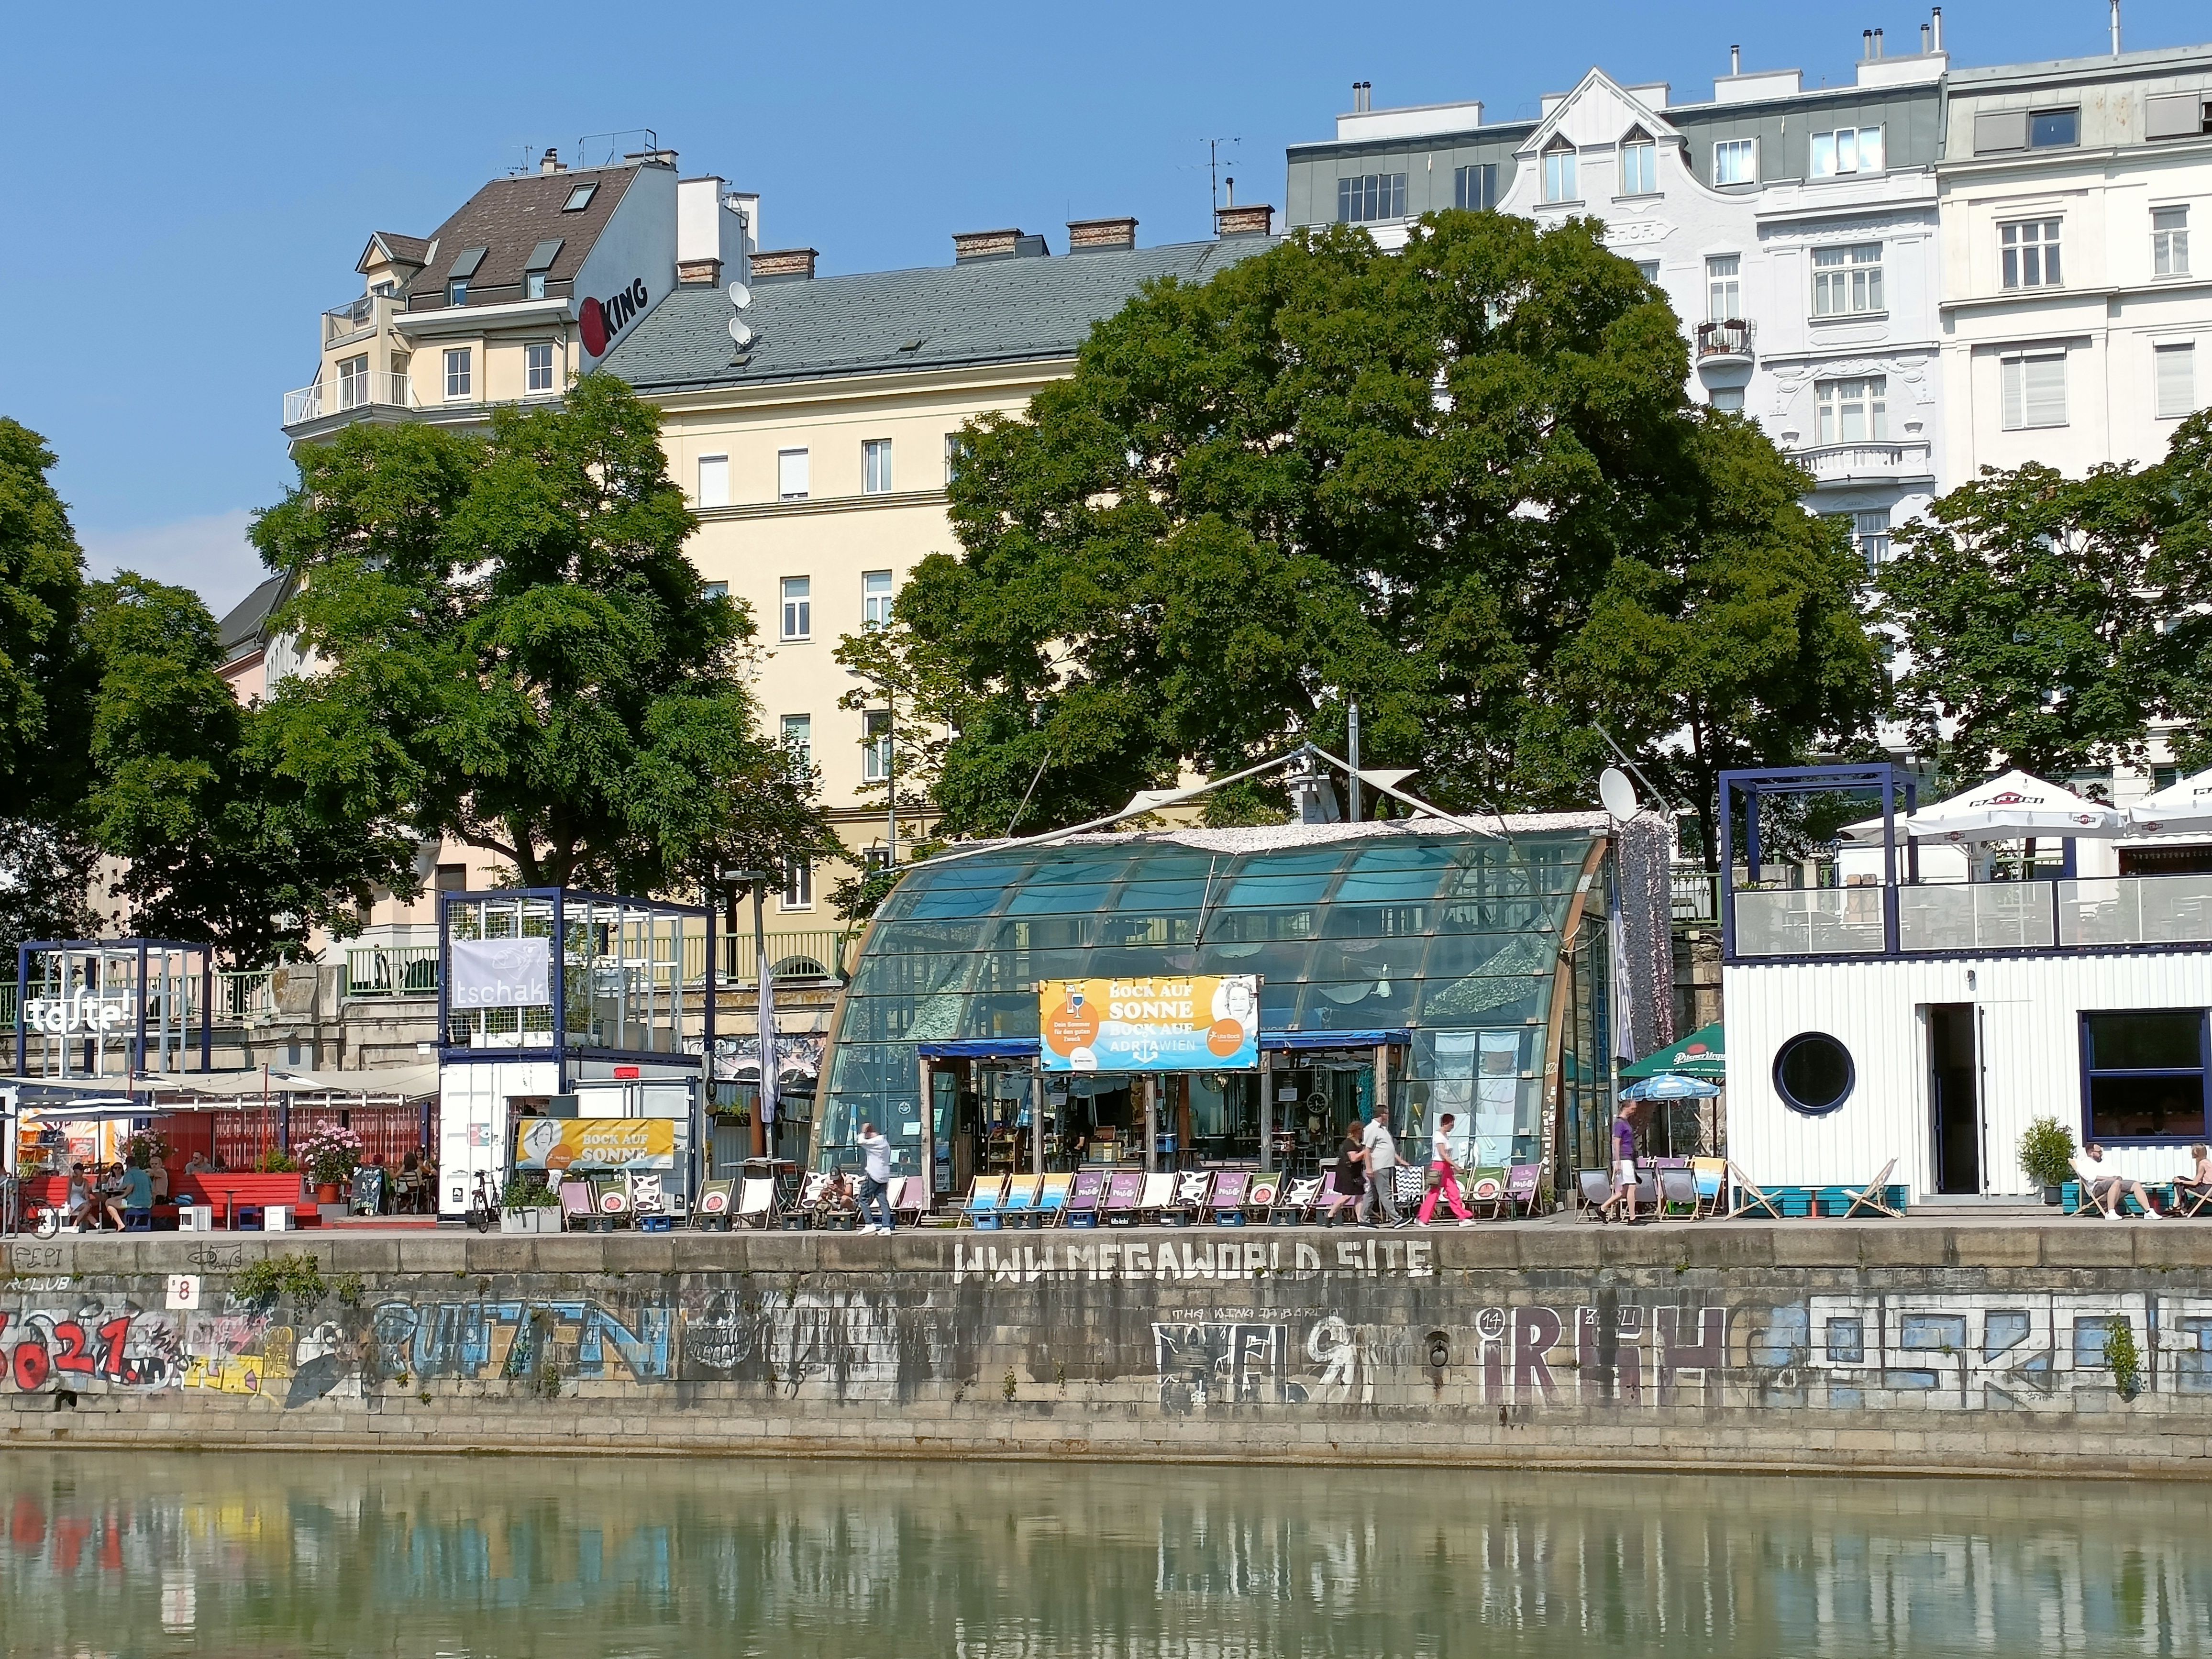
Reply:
x=327 y=1192
x=518 y=1221
x=2051 y=1195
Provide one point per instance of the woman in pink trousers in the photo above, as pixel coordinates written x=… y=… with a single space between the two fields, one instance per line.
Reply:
x=1447 y=1187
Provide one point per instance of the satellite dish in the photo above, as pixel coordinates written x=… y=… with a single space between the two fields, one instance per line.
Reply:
x=740 y=333
x=740 y=295
x=1617 y=793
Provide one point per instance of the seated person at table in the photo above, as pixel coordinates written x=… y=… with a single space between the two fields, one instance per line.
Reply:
x=160 y=1173
x=197 y=1164
x=2106 y=1187
x=138 y=1189
x=837 y=1197
x=2198 y=1182
x=83 y=1208
x=110 y=1195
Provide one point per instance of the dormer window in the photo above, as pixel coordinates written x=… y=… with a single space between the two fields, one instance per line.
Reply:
x=1639 y=164
x=580 y=197
x=457 y=291
x=1560 y=184
x=533 y=285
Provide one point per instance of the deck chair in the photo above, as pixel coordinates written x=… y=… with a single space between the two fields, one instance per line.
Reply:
x=1191 y=1189
x=1123 y=1192
x=1084 y=1198
x=1484 y=1189
x=756 y=1200
x=1710 y=1174
x=1018 y=1208
x=575 y=1206
x=1332 y=1206
x=648 y=1202
x=1229 y=1187
x=799 y=1214
x=1595 y=1187
x=1524 y=1190
x=1873 y=1197
x=1749 y=1199
x=712 y=1212
x=610 y=1204
x=1052 y=1199
x=982 y=1209
x=1260 y=1196
x=1678 y=1192
x=909 y=1197
x=1294 y=1205
x=1159 y=1196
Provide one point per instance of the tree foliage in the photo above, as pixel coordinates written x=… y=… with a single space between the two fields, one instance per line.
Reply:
x=1461 y=485
x=509 y=647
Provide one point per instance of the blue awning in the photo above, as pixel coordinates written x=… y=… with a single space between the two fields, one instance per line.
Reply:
x=1287 y=1040
x=982 y=1048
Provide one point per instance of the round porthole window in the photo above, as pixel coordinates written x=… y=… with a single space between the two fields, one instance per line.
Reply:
x=1814 y=1074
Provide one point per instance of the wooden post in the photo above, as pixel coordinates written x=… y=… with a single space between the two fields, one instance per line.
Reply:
x=1151 y=1124
x=928 y=1137
x=1382 y=1084
x=1267 y=1110
x=1037 y=1118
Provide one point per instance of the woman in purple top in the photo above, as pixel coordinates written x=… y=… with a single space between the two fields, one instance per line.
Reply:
x=1623 y=1159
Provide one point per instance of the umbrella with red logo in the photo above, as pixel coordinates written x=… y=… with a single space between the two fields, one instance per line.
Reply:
x=2015 y=807
x=2183 y=808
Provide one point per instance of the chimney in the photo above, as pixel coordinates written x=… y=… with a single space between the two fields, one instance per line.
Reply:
x=1936 y=27
x=1363 y=97
x=1877 y=43
x=1923 y=39
x=1258 y=220
x=970 y=246
x=551 y=161
x=789 y=264
x=1101 y=236
x=1735 y=60
x=1866 y=43
x=699 y=273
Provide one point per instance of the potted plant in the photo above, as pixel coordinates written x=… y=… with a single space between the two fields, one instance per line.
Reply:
x=330 y=1157
x=2046 y=1153
x=527 y=1206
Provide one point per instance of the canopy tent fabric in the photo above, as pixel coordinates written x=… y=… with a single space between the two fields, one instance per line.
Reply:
x=403 y=1082
x=2181 y=808
x=1700 y=1054
x=2015 y=807
x=1670 y=1085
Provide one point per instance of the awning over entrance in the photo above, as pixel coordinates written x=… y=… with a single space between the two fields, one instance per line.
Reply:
x=1700 y=1054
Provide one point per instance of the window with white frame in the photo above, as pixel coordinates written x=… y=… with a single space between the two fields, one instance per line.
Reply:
x=1847 y=281
x=459 y=378
x=875 y=466
x=1371 y=197
x=1735 y=162
x=533 y=285
x=2169 y=241
x=2031 y=253
x=956 y=451
x=2175 y=379
x=538 y=365
x=1847 y=150
x=875 y=598
x=798 y=607
x=1639 y=166
x=353 y=382
x=1870 y=530
x=713 y=590
x=457 y=291
x=791 y=475
x=1853 y=411
x=798 y=885
x=1475 y=188
x=2033 y=384
x=1728 y=399
x=1648 y=269
x=876 y=746
x=1724 y=287
x=713 y=481
x=1560 y=182
x=798 y=739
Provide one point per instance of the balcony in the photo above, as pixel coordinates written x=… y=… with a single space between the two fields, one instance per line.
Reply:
x=1724 y=346
x=348 y=394
x=1869 y=463
x=355 y=317
x=2093 y=913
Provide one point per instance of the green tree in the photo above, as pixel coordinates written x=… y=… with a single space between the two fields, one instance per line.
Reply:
x=509 y=647
x=1461 y=485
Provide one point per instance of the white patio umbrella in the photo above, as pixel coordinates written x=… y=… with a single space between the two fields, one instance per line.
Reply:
x=2015 y=807
x=2181 y=808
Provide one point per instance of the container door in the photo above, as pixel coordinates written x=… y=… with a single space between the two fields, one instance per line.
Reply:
x=1954 y=1095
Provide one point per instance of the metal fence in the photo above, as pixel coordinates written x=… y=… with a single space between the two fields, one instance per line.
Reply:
x=391 y=971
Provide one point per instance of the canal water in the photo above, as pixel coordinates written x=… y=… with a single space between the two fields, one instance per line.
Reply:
x=107 y=1554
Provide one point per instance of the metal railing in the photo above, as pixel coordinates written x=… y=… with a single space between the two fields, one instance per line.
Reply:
x=1697 y=893
x=815 y=953
x=349 y=391
x=1731 y=338
x=2089 y=913
x=352 y=318
x=391 y=971
x=1834 y=463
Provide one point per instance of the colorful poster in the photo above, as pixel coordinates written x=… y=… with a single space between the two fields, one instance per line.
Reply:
x=555 y=1144
x=1194 y=1023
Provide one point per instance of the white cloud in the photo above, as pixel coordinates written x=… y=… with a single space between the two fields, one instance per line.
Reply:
x=209 y=555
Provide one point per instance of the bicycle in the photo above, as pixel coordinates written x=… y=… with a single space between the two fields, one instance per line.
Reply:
x=482 y=1212
x=20 y=1213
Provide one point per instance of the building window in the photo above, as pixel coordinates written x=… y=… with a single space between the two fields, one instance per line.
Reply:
x=1475 y=188
x=1728 y=399
x=2144 y=1075
x=1846 y=151
x=1648 y=270
x=791 y=475
x=1814 y=1074
x=1371 y=197
x=457 y=291
x=798 y=885
x=713 y=481
x=458 y=378
x=1639 y=166
x=353 y=382
x=875 y=466
x=533 y=285
x=1851 y=412
x=580 y=197
x=2031 y=253
x=1560 y=184
x=538 y=365
x=875 y=598
x=1847 y=281
x=1871 y=531
x=2176 y=380
x=2169 y=241
x=1735 y=162
x=956 y=451
x=2035 y=391
x=798 y=607
x=798 y=739
x=452 y=877
x=876 y=746
x=2054 y=129
x=713 y=590
x=1724 y=289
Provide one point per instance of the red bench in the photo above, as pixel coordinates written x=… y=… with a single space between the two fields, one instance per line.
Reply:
x=227 y=1193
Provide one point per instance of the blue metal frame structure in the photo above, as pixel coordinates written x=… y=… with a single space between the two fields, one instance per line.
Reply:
x=143 y=947
x=1752 y=783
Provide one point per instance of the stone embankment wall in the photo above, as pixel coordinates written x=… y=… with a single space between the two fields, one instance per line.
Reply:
x=1913 y=1348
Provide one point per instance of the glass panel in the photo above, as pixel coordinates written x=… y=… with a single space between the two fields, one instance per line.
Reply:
x=1816 y=921
x=1975 y=916
x=2145 y=1041
x=2135 y=1105
x=2136 y=910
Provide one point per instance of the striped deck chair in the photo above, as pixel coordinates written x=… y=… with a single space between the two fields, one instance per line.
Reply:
x=1191 y=1189
x=982 y=1209
x=1229 y=1187
x=1711 y=1175
x=716 y=1199
x=1122 y=1193
x=575 y=1206
x=1052 y=1199
x=1018 y=1208
x=756 y=1200
x=1260 y=1196
x=1295 y=1204
x=1084 y=1198
x=1485 y=1191
x=1159 y=1197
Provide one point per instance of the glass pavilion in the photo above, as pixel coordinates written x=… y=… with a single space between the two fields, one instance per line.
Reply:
x=1441 y=970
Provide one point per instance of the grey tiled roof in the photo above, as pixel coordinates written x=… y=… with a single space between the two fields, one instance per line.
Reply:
x=240 y=630
x=989 y=311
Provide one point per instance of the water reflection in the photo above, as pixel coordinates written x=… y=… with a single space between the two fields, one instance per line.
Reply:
x=105 y=1553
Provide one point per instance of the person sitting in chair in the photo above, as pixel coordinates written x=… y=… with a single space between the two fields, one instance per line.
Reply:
x=2106 y=1188
x=837 y=1200
x=2197 y=1183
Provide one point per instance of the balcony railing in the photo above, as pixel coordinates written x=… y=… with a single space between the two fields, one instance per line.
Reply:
x=1728 y=339
x=1846 y=463
x=347 y=392
x=388 y=970
x=1696 y=894
x=354 y=317
x=814 y=953
x=2093 y=913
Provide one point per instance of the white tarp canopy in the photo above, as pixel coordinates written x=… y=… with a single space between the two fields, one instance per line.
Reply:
x=381 y=1082
x=2181 y=808
x=2015 y=807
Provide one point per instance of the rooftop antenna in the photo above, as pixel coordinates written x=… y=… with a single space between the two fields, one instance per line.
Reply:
x=1213 y=147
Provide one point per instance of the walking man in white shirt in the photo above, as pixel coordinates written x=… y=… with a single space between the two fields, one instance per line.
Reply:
x=1381 y=1173
x=876 y=1149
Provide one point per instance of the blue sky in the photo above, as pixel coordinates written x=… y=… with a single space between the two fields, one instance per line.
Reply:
x=191 y=185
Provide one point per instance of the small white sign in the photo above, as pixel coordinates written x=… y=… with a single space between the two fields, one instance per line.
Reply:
x=185 y=1290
